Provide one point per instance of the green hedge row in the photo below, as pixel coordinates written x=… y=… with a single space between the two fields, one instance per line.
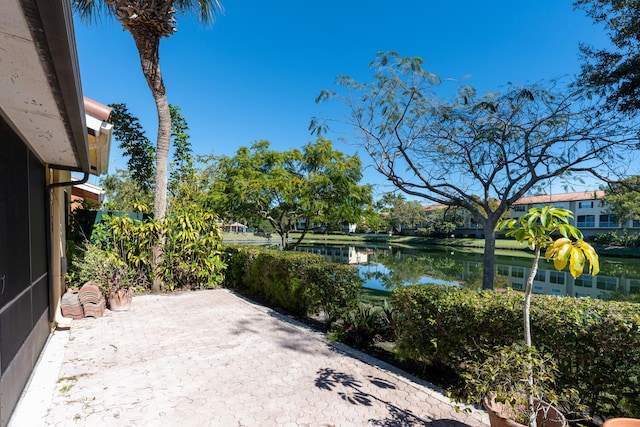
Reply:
x=596 y=344
x=301 y=283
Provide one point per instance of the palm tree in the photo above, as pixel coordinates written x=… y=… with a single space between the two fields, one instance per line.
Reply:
x=148 y=21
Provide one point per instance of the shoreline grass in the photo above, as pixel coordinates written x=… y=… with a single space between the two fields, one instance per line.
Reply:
x=503 y=246
x=506 y=244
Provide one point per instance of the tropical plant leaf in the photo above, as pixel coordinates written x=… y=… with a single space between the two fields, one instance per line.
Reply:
x=576 y=262
x=591 y=255
x=561 y=255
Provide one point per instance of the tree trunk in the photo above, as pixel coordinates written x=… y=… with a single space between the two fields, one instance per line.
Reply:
x=148 y=47
x=527 y=298
x=488 y=265
x=162 y=156
x=304 y=233
x=527 y=338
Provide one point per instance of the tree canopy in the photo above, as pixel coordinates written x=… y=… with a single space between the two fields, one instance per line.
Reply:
x=128 y=189
x=294 y=189
x=623 y=198
x=148 y=22
x=400 y=213
x=183 y=181
x=480 y=152
x=135 y=146
x=613 y=71
x=123 y=194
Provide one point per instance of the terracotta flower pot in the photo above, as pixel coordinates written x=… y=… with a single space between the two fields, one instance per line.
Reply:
x=622 y=422
x=501 y=415
x=120 y=300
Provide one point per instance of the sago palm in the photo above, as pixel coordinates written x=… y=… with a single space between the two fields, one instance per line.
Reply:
x=149 y=21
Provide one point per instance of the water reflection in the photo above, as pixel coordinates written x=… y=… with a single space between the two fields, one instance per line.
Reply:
x=386 y=267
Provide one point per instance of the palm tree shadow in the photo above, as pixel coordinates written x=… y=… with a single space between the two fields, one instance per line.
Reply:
x=351 y=390
x=328 y=379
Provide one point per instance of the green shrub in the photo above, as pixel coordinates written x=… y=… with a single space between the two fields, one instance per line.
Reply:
x=509 y=374
x=360 y=327
x=104 y=268
x=301 y=283
x=596 y=344
x=192 y=251
x=334 y=288
x=617 y=239
x=444 y=325
x=192 y=255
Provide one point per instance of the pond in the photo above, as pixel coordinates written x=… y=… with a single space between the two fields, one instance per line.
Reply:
x=383 y=267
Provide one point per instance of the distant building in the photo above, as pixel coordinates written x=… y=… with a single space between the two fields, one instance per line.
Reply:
x=343 y=254
x=234 y=227
x=591 y=215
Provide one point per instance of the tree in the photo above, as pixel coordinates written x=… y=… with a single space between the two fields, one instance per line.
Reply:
x=135 y=145
x=371 y=221
x=441 y=222
x=123 y=192
x=614 y=72
x=386 y=205
x=624 y=199
x=183 y=173
x=401 y=213
x=148 y=22
x=291 y=189
x=127 y=188
x=536 y=228
x=472 y=150
x=409 y=214
x=390 y=200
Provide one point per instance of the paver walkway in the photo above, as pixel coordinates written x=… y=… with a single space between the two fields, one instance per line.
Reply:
x=211 y=358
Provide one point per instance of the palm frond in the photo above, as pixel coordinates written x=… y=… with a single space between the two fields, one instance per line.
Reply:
x=207 y=10
x=91 y=10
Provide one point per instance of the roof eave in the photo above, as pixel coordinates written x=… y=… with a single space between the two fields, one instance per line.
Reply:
x=43 y=81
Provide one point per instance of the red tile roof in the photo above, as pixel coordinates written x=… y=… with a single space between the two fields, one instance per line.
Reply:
x=565 y=197
x=549 y=198
x=97 y=109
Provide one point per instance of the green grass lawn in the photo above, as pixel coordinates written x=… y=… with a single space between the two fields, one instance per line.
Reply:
x=509 y=244
x=245 y=237
x=374 y=297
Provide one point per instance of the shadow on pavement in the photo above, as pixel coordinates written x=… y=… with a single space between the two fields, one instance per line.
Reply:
x=351 y=390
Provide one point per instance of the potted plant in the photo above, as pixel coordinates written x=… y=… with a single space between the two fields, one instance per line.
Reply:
x=118 y=290
x=504 y=381
x=517 y=378
x=110 y=273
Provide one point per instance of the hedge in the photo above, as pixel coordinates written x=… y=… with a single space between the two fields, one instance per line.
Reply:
x=596 y=344
x=301 y=283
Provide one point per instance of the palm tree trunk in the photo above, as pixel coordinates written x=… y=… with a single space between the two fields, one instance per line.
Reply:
x=162 y=156
x=160 y=199
x=148 y=47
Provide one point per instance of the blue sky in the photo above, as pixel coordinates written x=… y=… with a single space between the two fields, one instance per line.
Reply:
x=256 y=72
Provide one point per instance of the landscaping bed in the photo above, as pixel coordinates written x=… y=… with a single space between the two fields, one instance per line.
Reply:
x=436 y=332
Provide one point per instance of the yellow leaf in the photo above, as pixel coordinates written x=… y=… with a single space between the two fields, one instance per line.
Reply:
x=592 y=256
x=561 y=242
x=576 y=264
x=549 y=253
x=561 y=256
